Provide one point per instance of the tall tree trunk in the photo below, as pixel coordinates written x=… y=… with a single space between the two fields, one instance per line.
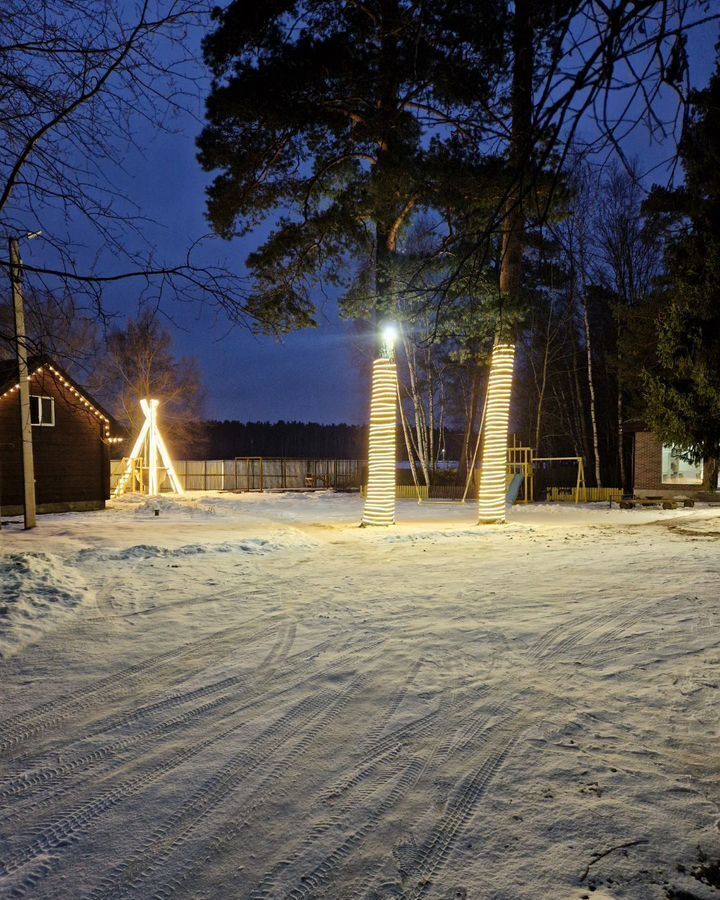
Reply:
x=468 y=445
x=384 y=259
x=411 y=449
x=520 y=148
x=620 y=429
x=491 y=501
x=543 y=382
x=441 y=419
x=418 y=408
x=710 y=473
x=580 y=426
x=591 y=388
x=431 y=412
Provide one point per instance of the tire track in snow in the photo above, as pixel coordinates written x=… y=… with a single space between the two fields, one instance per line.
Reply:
x=473 y=730
x=27 y=781
x=20 y=728
x=384 y=767
x=95 y=758
x=382 y=751
x=566 y=635
x=324 y=871
x=402 y=775
x=169 y=838
x=67 y=828
x=584 y=631
x=377 y=752
x=500 y=741
x=121 y=618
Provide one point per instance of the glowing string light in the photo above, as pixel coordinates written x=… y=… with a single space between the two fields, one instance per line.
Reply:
x=73 y=390
x=149 y=442
x=380 y=498
x=150 y=409
x=491 y=503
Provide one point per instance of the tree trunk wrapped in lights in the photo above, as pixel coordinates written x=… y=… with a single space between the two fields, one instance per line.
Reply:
x=491 y=504
x=497 y=405
x=380 y=498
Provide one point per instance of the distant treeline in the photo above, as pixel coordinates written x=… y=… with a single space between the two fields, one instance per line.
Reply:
x=228 y=439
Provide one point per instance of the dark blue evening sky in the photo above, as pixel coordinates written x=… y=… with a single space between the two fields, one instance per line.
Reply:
x=313 y=375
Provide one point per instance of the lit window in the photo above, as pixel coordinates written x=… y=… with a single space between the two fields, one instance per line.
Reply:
x=676 y=470
x=42 y=410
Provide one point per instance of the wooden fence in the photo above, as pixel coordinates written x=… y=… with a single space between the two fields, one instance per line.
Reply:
x=261 y=473
x=584 y=495
x=434 y=492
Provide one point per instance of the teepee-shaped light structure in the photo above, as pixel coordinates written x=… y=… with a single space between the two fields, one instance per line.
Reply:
x=145 y=452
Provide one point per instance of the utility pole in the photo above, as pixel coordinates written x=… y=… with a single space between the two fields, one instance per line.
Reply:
x=28 y=467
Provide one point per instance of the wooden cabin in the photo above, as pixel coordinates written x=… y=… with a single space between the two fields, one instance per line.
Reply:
x=71 y=436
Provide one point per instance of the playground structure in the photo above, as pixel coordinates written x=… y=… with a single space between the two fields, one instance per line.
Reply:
x=140 y=470
x=520 y=473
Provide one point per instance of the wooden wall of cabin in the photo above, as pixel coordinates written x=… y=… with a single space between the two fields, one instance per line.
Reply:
x=72 y=463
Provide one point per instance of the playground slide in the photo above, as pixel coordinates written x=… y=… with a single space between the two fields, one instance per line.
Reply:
x=514 y=488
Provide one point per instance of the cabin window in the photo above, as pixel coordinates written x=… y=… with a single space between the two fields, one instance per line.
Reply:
x=42 y=410
x=676 y=470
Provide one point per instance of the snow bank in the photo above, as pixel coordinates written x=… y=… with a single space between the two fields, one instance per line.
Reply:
x=150 y=551
x=36 y=592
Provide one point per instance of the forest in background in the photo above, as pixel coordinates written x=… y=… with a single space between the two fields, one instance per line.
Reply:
x=462 y=171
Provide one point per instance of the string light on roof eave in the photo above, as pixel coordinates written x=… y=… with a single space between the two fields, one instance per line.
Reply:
x=96 y=412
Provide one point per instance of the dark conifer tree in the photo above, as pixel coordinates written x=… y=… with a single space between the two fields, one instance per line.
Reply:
x=348 y=117
x=683 y=393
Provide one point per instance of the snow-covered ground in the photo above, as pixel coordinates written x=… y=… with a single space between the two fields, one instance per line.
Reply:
x=250 y=697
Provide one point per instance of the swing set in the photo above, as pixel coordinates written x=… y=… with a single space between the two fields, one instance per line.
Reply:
x=521 y=462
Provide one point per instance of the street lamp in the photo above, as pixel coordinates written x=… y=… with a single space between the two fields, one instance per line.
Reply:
x=380 y=497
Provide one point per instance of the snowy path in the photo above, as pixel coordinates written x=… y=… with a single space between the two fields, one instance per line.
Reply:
x=250 y=704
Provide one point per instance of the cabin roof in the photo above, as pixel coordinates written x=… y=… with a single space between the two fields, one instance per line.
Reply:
x=9 y=378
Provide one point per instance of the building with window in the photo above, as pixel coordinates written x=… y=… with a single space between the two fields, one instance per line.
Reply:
x=71 y=435
x=660 y=470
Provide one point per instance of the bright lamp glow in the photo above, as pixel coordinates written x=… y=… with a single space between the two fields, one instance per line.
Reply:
x=390 y=335
x=380 y=499
x=148 y=445
x=491 y=503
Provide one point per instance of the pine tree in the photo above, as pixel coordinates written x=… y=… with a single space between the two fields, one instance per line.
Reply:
x=683 y=393
x=349 y=118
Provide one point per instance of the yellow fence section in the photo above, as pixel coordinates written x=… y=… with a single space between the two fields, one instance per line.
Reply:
x=584 y=495
x=410 y=492
x=554 y=494
x=405 y=492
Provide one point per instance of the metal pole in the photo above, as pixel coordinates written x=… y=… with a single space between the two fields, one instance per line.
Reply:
x=24 y=384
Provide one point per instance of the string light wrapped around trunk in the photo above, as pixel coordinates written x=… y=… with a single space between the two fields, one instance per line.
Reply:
x=380 y=497
x=491 y=503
